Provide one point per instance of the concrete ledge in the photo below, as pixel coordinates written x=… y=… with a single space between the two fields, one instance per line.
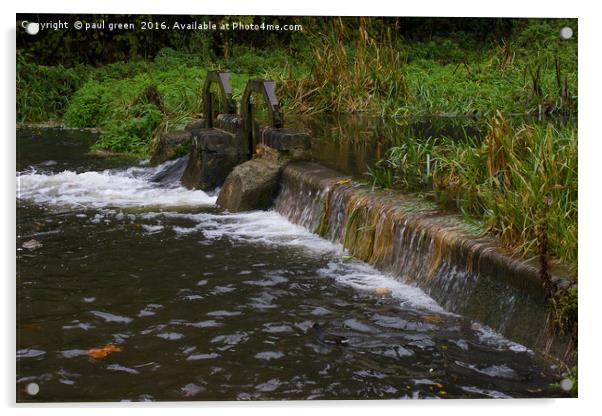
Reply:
x=195 y=125
x=214 y=140
x=213 y=155
x=285 y=139
x=229 y=122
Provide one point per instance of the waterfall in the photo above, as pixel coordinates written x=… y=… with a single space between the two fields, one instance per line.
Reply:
x=418 y=243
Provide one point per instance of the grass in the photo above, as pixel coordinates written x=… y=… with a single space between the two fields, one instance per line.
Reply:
x=354 y=76
x=348 y=70
x=503 y=179
x=43 y=93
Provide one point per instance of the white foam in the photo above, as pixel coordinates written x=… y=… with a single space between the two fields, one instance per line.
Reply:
x=492 y=338
x=271 y=228
x=257 y=227
x=133 y=188
x=364 y=277
x=109 y=188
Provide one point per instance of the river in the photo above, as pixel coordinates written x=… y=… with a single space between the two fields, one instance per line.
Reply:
x=206 y=305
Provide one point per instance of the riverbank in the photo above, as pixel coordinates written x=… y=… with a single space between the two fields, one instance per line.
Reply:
x=349 y=68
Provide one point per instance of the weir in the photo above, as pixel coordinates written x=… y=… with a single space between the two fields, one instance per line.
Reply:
x=402 y=235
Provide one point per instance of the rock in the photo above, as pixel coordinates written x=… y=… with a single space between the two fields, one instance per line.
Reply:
x=250 y=186
x=561 y=283
x=32 y=245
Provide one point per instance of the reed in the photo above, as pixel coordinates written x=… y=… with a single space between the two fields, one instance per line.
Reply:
x=505 y=180
x=361 y=75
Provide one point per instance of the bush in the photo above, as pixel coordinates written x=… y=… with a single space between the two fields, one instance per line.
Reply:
x=43 y=92
x=135 y=132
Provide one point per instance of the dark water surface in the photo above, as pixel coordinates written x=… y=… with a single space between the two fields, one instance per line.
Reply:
x=210 y=306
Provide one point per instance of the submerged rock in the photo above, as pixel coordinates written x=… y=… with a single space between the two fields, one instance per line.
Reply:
x=250 y=186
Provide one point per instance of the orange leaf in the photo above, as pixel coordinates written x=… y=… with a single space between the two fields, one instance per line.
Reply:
x=433 y=318
x=382 y=291
x=102 y=352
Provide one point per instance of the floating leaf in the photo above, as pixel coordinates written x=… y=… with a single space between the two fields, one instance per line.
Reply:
x=433 y=318
x=102 y=352
x=382 y=291
x=39 y=225
x=343 y=181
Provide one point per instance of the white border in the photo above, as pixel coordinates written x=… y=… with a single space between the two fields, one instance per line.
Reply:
x=590 y=136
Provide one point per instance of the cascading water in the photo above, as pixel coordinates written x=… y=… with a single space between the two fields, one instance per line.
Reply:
x=419 y=245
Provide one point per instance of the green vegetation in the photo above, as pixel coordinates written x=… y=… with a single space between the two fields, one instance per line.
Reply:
x=565 y=310
x=351 y=70
x=44 y=92
x=112 y=98
x=503 y=179
x=366 y=65
x=571 y=373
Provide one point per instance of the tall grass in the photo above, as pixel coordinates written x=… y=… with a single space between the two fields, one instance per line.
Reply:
x=504 y=179
x=360 y=75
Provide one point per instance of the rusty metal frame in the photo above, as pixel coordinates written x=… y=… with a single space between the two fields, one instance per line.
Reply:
x=222 y=79
x=267 y=88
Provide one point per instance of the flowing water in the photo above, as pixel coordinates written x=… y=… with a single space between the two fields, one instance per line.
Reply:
x=211 y=306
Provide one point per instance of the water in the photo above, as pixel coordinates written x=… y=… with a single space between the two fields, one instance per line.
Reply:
x=353 y=143
x=212 y=306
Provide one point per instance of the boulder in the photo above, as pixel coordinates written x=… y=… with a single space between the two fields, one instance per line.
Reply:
x=250 y=186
